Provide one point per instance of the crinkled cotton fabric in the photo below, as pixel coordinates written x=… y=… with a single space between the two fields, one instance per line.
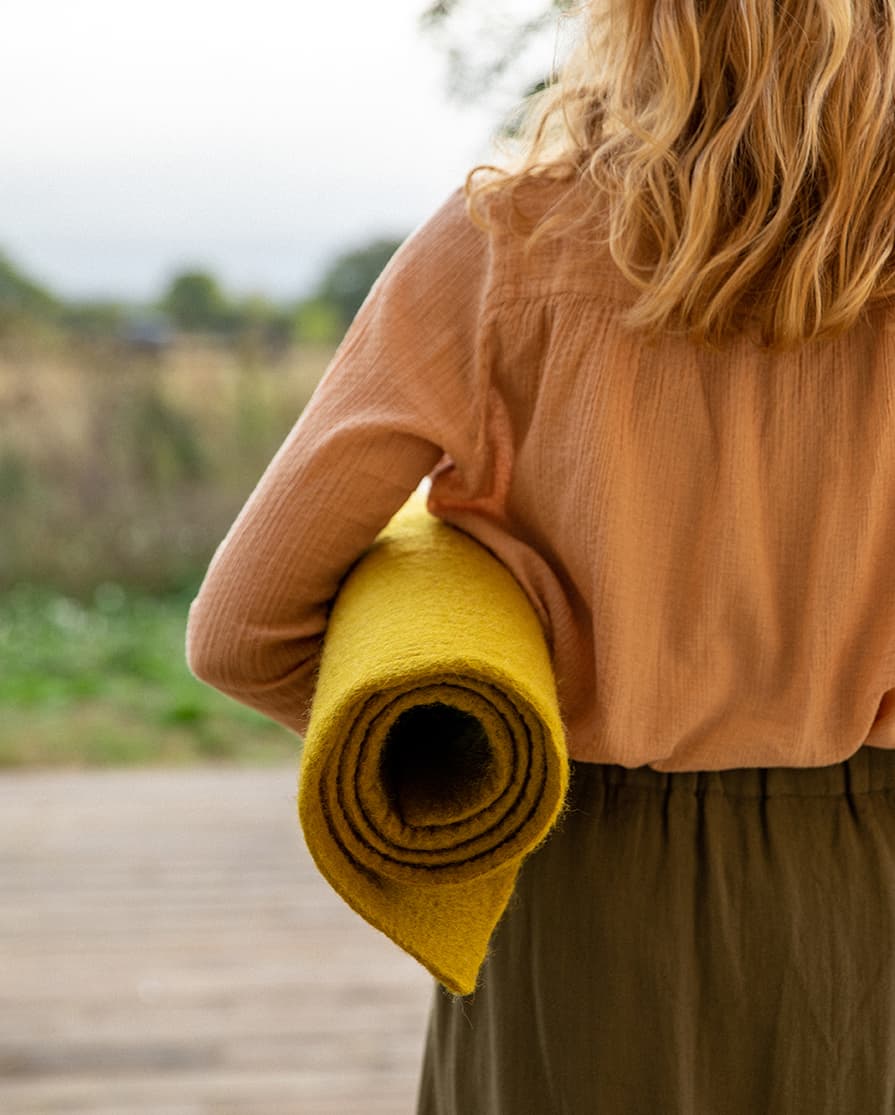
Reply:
x=706 y=537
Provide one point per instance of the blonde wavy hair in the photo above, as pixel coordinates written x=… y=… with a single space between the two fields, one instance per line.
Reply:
x=747 y=147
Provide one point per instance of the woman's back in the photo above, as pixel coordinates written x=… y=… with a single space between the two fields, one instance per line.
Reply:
x=708 y=535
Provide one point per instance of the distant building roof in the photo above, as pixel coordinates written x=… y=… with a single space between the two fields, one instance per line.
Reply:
x=147 y=328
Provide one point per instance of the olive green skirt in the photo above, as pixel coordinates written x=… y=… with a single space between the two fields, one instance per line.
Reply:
x=689 y=943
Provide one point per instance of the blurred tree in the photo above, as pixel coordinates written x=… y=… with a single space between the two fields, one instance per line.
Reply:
x=195 y=301
x=21 y=294
x=349 y=278
x=505 y=40
x=29 y=313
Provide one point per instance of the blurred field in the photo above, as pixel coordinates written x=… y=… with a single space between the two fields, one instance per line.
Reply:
x=128 y=468
x=120 y=472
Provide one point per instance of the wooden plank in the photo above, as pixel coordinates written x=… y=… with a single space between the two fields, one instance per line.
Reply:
x=167 y=945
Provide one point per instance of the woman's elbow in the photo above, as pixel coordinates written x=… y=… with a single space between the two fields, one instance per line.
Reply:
x=243 y=652
x=211 y=655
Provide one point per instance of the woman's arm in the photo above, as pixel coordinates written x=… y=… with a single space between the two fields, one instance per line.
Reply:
x=407 y=385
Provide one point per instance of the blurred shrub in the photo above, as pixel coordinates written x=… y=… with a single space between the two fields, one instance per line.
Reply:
x=94 y=318
x=318 y=321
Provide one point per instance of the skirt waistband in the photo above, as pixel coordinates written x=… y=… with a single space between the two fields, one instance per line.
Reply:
x=866 y=770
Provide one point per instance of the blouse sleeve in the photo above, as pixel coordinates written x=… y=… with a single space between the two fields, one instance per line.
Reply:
x=407 y=386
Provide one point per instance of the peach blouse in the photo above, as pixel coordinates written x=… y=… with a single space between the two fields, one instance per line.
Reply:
x=708 y=539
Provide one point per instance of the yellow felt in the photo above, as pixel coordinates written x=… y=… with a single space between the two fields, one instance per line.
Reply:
x=435 y=758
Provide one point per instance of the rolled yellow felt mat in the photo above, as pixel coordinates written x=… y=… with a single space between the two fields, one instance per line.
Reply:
x=435 y=758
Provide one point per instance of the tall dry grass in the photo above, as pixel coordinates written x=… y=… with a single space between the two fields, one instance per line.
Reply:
x=127 y=468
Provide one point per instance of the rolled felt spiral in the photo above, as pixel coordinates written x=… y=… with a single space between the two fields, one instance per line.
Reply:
x=435 y=758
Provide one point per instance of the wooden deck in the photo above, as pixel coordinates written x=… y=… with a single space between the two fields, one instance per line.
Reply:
x=168 y=946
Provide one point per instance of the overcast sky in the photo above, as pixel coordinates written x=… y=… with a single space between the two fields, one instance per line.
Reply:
x=257 y=140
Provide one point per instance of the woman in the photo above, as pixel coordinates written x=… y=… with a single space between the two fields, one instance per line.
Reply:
x=649 y=366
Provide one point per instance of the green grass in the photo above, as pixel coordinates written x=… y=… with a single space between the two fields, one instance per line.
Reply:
x=106 y=683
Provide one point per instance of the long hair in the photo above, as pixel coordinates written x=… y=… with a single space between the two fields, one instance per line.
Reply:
x=745 y=147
